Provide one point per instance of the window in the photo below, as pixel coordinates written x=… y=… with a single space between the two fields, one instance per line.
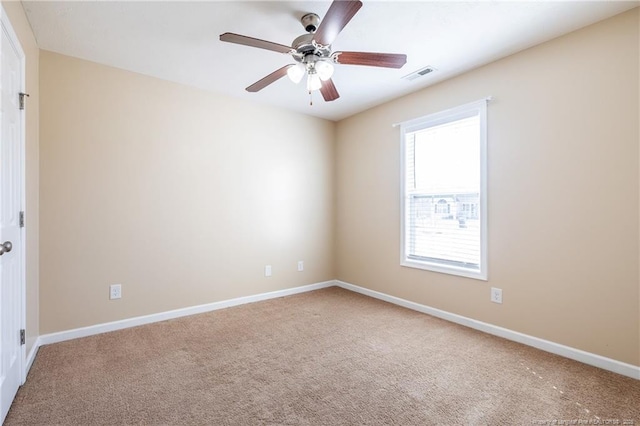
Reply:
x=444 y=213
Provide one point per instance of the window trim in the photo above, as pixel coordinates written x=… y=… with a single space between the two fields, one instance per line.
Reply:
x=473 y=108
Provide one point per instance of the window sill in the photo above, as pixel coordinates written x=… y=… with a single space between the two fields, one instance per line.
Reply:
x=445 y=269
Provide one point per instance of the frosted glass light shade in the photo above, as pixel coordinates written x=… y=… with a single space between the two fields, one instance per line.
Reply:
x=324 y=70
x=296 y=73
x=313 y=82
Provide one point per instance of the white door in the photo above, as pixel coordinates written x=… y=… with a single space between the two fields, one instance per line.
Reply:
x=11 y=272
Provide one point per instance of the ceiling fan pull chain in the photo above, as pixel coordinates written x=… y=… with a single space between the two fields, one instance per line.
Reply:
x=310 y=98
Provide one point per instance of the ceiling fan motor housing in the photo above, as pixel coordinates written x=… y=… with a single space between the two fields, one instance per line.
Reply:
x=303 y=44
x=308 y=51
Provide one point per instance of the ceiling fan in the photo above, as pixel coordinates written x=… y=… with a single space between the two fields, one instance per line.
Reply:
x=312 y=51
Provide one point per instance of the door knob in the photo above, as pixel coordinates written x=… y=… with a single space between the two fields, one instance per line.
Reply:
x=5 y=247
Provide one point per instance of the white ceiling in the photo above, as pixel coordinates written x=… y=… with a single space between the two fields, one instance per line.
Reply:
x=178 y=41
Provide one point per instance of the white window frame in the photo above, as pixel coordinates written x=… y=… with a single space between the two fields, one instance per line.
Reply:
x=474 y=108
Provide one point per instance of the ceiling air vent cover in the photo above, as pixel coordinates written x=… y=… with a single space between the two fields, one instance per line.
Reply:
x=420 y=73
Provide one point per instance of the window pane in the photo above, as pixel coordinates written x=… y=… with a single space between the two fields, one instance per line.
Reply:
x=447 y=157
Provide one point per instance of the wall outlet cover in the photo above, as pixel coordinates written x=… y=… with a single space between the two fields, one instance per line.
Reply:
x=115 y=291
x=496 y=295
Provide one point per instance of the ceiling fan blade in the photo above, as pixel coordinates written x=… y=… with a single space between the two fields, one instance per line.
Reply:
x=387 y=60
x=264 y=82
x=254 y=42
x=337 y=17
x=329 y=91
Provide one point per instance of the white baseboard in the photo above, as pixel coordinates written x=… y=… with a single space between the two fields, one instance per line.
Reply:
x=31 y=356
x=61 y=336
x=545 y=345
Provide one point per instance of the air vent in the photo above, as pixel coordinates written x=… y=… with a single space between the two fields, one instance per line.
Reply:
x=420 y=73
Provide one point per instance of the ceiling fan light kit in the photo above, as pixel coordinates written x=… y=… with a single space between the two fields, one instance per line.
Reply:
x=324 y=70
x=312 y=51
x=313 y=82
x=316 y=68
x=296 y=72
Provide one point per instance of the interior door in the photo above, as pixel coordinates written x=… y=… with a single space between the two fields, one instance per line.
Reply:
x=11 y=279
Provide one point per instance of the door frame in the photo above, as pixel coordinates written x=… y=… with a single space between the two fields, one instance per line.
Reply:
x=7 y=28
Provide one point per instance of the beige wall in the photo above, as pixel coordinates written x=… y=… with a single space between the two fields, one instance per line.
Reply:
x=21 y=26
x=563 y=193
x=180 y=195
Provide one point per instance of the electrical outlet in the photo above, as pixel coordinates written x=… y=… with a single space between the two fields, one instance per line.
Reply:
x=300 y=265
x=496 y=295
x=267 y=271
x=115 y=291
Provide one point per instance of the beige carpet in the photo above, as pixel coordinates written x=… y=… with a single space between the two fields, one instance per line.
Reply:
x=328 y=357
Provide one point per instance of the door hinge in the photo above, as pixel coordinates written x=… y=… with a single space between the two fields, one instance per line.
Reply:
x=22 y=337
x=21 y=99
x=21 y=219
